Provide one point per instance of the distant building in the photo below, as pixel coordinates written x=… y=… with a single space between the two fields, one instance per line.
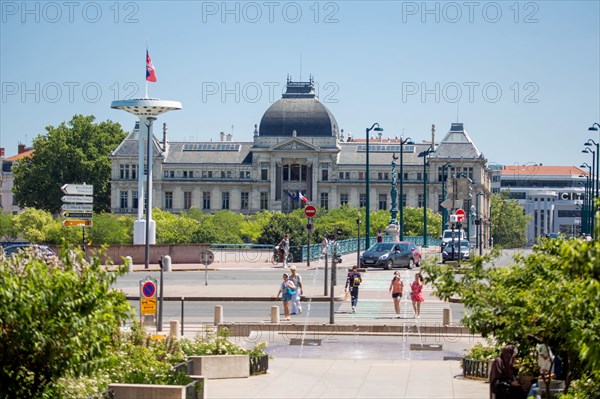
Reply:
x=7 y=203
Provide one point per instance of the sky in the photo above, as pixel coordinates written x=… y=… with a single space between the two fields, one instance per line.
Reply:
x=523 y=77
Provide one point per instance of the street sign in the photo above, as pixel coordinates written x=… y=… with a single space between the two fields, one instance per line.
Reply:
x=449 y=203
x=80 y=199
x=77 y=207
x=148 y=306
x=460 y=215
x=207 y=257
x=310 y=211
x=309 y=227
x=77 y=223
x=78 y=189
x=149 y=289
x=77 y=215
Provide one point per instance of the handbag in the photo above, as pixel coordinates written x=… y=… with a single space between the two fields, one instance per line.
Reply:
x=291 y=291
x=501 y=388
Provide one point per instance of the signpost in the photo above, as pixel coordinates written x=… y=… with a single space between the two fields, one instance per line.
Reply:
x=310 y=211
x=206 y=258
x=460 y=215
x=77 y=223
x=78 y=215
x=78 y=204
x=148 y=300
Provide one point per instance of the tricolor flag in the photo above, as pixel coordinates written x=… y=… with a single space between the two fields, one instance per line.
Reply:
x=302 y=197
x=292 y=196
x=150 y=72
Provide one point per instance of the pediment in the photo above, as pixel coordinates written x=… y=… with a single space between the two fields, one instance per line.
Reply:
x=294 y=145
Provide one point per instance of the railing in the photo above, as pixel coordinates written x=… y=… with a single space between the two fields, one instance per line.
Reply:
x=259 y=364
x=475 y=368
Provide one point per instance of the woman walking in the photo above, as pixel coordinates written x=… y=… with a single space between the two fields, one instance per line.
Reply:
x=417 y=294
x=296 y=307
x=396 y=288
x=287 y=289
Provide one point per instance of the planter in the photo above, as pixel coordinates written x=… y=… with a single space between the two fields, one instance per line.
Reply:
x=220 y=366
x=194 y=390
x=476 y=369
x=259 y=364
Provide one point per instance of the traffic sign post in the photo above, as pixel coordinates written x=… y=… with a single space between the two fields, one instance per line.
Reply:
x=460 y=215
x=310 y=211
x=77 y=207
x=148 y=299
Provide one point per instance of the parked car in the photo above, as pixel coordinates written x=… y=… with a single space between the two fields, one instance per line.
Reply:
x=449 y=254
x=391 y=254
x=452 y=235
x=11 y=250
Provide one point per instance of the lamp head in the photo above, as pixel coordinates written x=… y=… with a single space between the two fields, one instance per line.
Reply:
x=378 y=129
x=587 y=150
x=593 y=128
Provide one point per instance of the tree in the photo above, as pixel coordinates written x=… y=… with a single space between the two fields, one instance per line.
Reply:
x=74 y=152
x=31 y=224
x=56 y=320
x=509 y=221
x=7 y=227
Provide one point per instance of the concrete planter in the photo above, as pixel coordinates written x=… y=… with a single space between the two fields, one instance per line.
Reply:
x=220 y=366
x=476 y=369
x=194 y=390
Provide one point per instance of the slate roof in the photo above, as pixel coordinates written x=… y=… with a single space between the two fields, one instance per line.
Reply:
x=457 y=144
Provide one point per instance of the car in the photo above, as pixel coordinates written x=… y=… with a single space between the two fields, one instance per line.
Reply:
x=452 y=235
x=11 y=250
x=451 y=252
x=391 y=254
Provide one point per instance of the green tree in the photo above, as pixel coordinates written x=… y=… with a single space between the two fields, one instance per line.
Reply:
x=74 y=152
x=31 y=224
x=56 y=320
x=509 y=221
x=173 y=229
x=109 y=228
x=7 y=227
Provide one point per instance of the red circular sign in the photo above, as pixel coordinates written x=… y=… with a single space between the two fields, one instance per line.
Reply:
x=310 y=211
x=460 y=215
x=148 y=289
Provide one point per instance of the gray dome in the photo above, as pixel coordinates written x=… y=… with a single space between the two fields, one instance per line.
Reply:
x=298 y=110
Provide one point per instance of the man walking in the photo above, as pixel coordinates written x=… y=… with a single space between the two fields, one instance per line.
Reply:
x=284 y=245
x=353 y=282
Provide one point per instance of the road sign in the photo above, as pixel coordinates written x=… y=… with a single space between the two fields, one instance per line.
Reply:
x=148 y=306
x=310 y=211
x=148 y=289
x=449 y=203
x=77 y=198
x=77 y=207
x=78 y=189
x=460 y=215
x=77 y=223
x=77 y=215
x=207 y=257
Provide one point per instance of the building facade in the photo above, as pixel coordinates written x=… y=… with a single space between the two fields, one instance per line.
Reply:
x=297 y=148
x=7 y=202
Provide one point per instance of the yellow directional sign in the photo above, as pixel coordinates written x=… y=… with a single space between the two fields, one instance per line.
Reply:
x=77 y=223
x=148 y=306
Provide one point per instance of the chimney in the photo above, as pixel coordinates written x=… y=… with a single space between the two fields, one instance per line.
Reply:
x=222 y=136
x=432 y=136
x=21 y=149
x=165 y=137
x=1 y=152
x=229 y=137
x=379 y=135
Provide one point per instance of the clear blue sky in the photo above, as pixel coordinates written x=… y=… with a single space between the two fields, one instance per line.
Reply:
x=524 y=77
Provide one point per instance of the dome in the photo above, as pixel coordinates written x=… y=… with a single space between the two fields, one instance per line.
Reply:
x=299 y=110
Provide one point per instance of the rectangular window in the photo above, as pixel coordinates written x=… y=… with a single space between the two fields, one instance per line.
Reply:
x=185 y=174
x=168 y=199
x=225 y=200
x=420 y=176
x=264 y=171
x=420 y=201
x=222 y=174
x=361 y=175
x=172 y=174
x=124 y=171
x=245 y=200
x=343 y=199
x=134 y=171
x=386 y=176
x=134 y=197
x=248 y=174
x=362 y=200
x=229 y=174
x=380 y=176
x=341 y=176
x=123 y=199
x=382 y=202
x=191 y=174
x=187 y=199
x=206 y=200
x=264 y=201
x=241 y=175
x=325 y=200
x=325 y=174
x=405 y=175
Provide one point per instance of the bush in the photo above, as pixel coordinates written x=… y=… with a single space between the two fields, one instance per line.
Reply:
x=480 y=351
x=218 y=344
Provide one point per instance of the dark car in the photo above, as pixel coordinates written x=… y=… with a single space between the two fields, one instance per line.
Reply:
x=391 y=254
x=451 y=251
x=11 y=250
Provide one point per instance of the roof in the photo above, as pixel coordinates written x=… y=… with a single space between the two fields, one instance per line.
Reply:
x=529 y=170
x=457 y=144
x=22 y=155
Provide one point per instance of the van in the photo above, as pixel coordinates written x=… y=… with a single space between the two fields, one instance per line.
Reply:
x=453 y=235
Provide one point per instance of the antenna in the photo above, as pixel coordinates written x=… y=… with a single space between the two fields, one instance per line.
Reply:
x=457 y=111
x=300 y=67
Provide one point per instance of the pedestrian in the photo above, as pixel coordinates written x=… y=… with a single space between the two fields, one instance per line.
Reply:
x=284 y=245
x=296 y=307
x=324 y=247
x=416 y=294
x=396 y=288
x=352 y=283
x=503 y=381
x=380 y=235
x=287 y=289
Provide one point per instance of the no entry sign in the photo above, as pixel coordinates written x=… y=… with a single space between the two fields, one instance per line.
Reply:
x=460 y=215
x=310 y=211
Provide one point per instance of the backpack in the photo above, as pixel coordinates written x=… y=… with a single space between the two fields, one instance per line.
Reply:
x=356 y=280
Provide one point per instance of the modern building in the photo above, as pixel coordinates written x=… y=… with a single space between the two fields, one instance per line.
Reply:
x=7 y=203
x=298 y=148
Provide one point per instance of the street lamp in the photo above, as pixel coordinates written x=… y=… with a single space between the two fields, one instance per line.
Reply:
x=408 y=141
x=589 y=188
x=590 y=143
x=444 y=210
x=424 y=155
x=368 y=203
x=584 y=208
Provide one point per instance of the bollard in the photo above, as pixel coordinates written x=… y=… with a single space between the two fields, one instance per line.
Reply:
x=218 y=315
x=167 y=263
x=275 y=314
x=174 y=329
x=447 y=317
x=129 y=264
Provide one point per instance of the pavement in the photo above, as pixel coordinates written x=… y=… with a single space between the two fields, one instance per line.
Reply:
x=367 y=354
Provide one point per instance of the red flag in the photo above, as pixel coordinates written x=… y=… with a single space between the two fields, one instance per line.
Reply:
x=302 y=197
x=150 y=72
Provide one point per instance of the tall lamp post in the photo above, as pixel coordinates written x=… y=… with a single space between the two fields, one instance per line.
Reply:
x=368 y=178
x=424 y=154
x=584 y=207
x=444 y=210
x=590 y=143
x=409 y=141
x=589 y=188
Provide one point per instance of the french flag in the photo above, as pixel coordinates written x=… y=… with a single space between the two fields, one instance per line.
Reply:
x=302 y=197
x=150 y=72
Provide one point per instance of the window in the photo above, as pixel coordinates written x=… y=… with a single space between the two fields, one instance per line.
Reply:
x=325 y=174
x=325 y=200
x=191 y=174
x=229 y=175
x=185 y=174
x=168 y=199
x=362 y=200
x=123 y=199
x=403 y=200
x=134 y=197
x=361 y=175
x=134 y=171
x=222 y=174
x=382 y=202
x=245 y=200
x=380 y=176
x=241 y=175
x=187 y=199
x=343 y=199
x=264 y=201
x=124 y=171
x=172 y=174
x=264 y=171
x=225 y=200
x=419 y=176
x=206 y=200
x=420 y=201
